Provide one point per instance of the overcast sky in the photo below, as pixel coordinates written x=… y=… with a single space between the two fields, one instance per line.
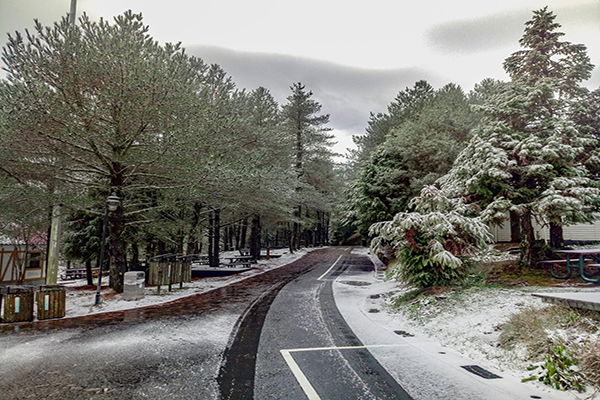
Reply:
x=354 y=56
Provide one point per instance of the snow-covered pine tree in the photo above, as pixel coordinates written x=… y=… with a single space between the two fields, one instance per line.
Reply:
x=527 y=156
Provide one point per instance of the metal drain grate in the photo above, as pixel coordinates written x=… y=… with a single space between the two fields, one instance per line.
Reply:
x=477 y=370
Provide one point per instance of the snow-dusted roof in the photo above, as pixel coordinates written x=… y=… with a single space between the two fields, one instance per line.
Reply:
x=36 y=240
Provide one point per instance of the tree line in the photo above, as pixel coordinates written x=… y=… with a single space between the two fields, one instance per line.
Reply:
x=99 y=109
x=527 y=149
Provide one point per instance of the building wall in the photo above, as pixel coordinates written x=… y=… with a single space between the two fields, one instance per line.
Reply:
x=10 y=264
x=501 y=232
x=577 y=232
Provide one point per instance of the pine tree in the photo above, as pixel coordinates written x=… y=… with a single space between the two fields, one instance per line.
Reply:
x=100 y=105
x=527 y=156
x=434 y=129
x=312 y=154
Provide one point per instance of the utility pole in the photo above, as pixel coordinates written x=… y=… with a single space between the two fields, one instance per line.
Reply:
x=72 y=14
x=54 y=237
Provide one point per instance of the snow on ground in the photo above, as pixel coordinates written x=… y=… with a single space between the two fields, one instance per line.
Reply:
x=81 y=302
x=469 y=323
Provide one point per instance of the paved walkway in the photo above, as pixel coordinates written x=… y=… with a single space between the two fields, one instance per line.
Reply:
x=438 y=372
x=589 y=301
x=426 y=369
x=244 y=290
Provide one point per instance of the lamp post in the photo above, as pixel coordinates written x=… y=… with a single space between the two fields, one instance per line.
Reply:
x=112 y=203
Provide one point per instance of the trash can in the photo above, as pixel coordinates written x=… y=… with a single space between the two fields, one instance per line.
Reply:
x=17 y=304
x=50 y=302
x=133 y=285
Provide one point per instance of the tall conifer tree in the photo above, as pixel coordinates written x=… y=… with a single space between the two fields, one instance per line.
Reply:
x=312 y=143
x=527 y=156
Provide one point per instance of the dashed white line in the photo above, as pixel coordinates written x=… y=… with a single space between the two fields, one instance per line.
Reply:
x=330 y=268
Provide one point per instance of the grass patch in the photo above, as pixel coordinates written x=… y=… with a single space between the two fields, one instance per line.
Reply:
x=515 y=275
x=406 y=298
x=531 y=328
x=590 y=363
x=422 y=304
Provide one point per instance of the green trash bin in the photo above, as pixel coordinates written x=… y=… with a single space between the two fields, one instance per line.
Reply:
x=17 y=304
x=50 y=301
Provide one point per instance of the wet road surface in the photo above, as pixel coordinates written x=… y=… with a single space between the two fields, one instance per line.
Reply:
x=159 y=352
x=306 y=348
x=248 y=340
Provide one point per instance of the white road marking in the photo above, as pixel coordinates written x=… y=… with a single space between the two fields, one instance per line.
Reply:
x=309 y=390
x=300 y=377
x=343 y=347
x=330 y=268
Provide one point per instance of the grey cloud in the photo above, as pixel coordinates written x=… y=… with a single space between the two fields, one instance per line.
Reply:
x=347 y=93
x=500 y=30
x=482 y=34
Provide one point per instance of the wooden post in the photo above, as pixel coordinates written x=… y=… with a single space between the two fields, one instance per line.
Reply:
x=159 y=281
x=169 y=276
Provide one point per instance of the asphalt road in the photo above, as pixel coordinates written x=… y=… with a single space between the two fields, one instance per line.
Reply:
x=306 y=348
x=167 y=358
x=246 y=341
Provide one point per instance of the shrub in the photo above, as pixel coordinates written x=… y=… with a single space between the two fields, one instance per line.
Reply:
x=558 y=370
x=435 y=243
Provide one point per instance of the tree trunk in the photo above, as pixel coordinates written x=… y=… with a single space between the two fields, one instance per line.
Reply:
x=88 y=272
x=515 y=231
x=211 y=241
x=238 y=234
x=118 y=265
x=326 y=219
x=255 y=237
x=117 y=246
x=243 y=233
x=193 y=245
x=290 y=234
x=556 y=236
x=226 y=239
x=135 y=256
x=295 y=237
x=527 y=239
x=217 y=236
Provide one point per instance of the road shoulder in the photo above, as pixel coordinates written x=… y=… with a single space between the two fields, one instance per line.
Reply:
x=422 y=366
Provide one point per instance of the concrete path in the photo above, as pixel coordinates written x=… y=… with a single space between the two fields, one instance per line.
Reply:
x=588 y=301
x=424 y=368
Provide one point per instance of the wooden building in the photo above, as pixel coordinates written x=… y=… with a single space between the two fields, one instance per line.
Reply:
x=17 y=262
x=577 y=233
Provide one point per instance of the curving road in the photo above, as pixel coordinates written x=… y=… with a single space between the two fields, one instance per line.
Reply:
x=278 y=335
x=305 y=349
x=208 y=346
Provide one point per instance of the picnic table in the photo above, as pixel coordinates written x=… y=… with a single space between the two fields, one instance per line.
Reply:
x=77 y=273
x=580 y=256
x=239 y=260
x=193 y=258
